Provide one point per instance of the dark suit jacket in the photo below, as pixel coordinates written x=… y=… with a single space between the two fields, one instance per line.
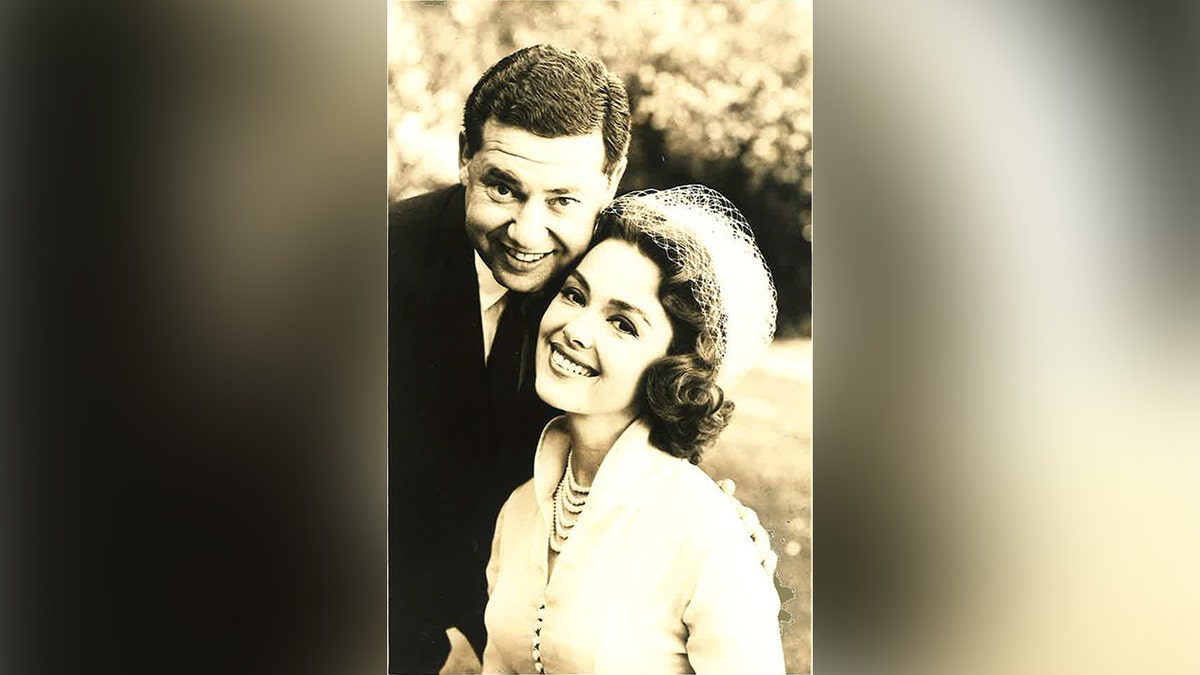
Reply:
x=455 y=451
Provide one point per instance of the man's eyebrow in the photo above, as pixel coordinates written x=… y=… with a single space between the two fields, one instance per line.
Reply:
x=570 y=189
x=494 y=172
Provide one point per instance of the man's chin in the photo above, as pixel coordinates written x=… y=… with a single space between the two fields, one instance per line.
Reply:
x=522 y=282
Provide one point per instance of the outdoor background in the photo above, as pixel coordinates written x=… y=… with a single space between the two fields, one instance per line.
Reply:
x=721 y=94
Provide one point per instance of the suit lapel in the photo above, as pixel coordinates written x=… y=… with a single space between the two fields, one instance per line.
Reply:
x=457 y=300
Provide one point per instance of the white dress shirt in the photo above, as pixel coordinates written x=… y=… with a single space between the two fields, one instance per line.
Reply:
x=492 y=298
x=658 y=575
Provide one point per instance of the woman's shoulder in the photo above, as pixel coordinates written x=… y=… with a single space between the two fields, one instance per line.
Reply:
x=521 y=500
x=523 y=492
x=702 y=511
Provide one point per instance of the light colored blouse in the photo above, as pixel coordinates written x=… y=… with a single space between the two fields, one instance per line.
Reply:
x=658 y=576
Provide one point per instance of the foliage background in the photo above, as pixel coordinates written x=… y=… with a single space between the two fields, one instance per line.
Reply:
x=721 y=94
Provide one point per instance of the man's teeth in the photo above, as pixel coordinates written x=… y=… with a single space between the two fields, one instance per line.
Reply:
x=527 y=257
x=570 y=366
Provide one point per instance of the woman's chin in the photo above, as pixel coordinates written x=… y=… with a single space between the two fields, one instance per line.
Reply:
x=550 y=391
x=546 y=390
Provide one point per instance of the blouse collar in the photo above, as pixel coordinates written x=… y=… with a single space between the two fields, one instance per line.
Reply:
x=630 y=463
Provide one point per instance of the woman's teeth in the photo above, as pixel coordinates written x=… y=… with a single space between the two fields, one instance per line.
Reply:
x=570 y=366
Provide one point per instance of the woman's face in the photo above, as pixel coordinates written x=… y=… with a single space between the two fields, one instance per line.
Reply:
x=601 y=333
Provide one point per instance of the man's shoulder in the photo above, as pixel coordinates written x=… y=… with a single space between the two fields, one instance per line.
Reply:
x=428 y=208
x=425 y=231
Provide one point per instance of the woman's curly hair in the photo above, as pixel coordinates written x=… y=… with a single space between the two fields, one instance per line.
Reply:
x=686 y=407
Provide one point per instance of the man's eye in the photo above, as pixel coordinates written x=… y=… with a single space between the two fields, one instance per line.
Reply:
x=624 y=325
x=501 y=192
x=563 y=202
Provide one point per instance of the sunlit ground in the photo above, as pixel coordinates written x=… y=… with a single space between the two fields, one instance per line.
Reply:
x=767 y=451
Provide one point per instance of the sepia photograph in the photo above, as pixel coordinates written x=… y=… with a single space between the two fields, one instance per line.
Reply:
x=600 y=336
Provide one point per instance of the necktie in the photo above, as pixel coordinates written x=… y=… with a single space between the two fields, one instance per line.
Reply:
x=504 y=366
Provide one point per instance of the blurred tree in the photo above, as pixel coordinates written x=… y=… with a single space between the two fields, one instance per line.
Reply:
x=721 y=95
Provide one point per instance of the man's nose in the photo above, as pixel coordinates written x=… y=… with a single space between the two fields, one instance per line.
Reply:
x=578 y=332
x=528 y=228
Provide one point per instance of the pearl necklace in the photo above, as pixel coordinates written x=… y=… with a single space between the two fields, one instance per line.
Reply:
x=569 y=500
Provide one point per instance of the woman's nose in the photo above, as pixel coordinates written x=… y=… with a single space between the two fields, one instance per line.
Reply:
x=577 y=332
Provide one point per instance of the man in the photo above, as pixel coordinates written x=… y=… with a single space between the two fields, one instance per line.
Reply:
x=543 y=148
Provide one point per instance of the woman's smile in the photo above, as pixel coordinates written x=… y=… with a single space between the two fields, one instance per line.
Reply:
x=561 y=363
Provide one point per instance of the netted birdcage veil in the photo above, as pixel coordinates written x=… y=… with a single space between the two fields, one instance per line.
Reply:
x=705 y=234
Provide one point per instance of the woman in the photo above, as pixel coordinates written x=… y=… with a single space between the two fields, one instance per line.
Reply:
x=621 y=555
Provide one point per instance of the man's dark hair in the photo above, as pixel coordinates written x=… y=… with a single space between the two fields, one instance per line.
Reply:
x=551 y=92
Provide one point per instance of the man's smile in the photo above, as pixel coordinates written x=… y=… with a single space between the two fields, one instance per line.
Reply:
x=525 y=257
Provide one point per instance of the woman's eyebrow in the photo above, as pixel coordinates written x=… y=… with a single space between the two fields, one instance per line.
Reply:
x=615 y=302
x=632 y=309
x=580 y=278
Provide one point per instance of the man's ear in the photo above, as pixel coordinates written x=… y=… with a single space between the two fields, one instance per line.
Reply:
x=614 y=178
x=464 y=157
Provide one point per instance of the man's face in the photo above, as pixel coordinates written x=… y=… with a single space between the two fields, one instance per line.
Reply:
x=532 y=201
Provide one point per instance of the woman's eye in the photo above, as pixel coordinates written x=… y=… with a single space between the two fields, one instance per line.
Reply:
x=572 y=295
x=624 y=325
x=563 y=202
